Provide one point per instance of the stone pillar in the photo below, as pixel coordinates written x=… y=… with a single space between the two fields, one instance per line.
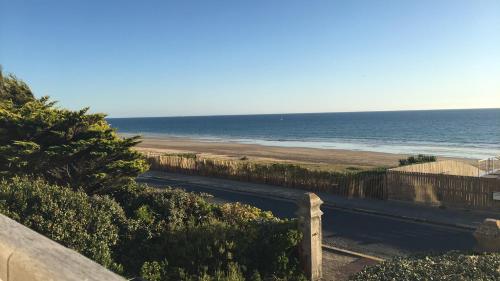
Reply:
x=488 y=236
x=309 y=215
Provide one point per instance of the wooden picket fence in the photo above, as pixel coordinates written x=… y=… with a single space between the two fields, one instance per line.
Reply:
x=432 y=189
x=368 y=184
x=443 y=190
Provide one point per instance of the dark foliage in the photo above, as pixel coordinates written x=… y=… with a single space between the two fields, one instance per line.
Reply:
x=180 y=234
x=89 y=225
x=417 y=160
x=64 y=147
x=14 y=90
x=453 y=266
x=162 y=234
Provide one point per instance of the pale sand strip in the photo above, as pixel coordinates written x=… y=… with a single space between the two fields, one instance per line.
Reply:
x=329 y=157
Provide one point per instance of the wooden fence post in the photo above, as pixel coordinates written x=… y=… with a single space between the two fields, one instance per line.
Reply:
x=309 y=215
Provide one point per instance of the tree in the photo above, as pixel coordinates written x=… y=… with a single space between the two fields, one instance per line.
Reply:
x=71 y=148
x=14 y=90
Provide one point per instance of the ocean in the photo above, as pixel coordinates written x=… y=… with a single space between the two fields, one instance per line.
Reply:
x=471 y=133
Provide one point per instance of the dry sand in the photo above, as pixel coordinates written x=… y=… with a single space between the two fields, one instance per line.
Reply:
x=333 y=158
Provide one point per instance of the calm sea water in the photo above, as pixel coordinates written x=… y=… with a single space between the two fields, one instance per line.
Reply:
x=457 y=133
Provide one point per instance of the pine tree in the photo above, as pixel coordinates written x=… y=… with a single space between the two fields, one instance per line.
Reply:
x=64 y=147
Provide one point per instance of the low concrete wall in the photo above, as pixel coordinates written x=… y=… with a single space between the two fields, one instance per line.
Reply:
x=26 y=255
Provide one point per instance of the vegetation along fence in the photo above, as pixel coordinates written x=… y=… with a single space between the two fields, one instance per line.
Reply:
x=369 y=184
x=444 y=190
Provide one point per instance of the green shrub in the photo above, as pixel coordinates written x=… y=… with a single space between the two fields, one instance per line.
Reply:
x=187 y=155
x=89 y=225
x=168 y=234
x=154 y=271
x=417 y=159
x=453 y=266
x=180 y=235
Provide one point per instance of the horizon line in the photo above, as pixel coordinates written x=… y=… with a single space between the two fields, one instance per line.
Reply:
x=298 y=113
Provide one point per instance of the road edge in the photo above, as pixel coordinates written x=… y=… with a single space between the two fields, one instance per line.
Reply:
x=336 y=206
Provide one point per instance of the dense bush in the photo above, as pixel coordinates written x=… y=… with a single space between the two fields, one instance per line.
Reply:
x=162 y=234
x=89 y=225
x=180 y=234
x=64 y=147
x=417 y=159
x=453 y=266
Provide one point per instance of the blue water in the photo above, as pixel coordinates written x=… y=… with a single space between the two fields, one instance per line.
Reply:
x=471 y=133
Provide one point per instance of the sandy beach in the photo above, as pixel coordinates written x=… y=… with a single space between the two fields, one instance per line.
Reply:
x=322 y=158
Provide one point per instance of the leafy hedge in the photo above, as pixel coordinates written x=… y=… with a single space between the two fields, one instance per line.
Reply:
x=419 y=159
x=160 y=234
x=453 y=266
x=89 y=225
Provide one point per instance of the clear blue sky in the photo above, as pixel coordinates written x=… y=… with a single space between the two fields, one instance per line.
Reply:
x=164 y=58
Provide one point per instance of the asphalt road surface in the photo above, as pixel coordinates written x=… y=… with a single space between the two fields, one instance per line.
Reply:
x=366 y=233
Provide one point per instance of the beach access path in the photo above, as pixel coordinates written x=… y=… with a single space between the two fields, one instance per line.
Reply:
x=376 y=227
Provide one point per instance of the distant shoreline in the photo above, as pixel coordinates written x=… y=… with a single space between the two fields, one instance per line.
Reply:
x=471 y=134
x=332 y=159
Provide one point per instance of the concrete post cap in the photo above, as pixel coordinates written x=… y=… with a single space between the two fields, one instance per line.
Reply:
x=309 y=205
x=311 y=199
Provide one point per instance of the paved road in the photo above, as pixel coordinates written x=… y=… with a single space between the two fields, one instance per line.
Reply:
x=371 y=234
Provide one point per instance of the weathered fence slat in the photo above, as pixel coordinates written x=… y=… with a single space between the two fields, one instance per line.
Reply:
x=443 y=190
x=360 y=184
